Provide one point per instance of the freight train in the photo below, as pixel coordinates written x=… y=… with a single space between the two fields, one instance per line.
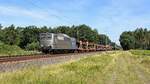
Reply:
x=53 y=43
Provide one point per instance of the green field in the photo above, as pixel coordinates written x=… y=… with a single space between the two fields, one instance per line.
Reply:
x=9 y=50
x=118 y=67
x=140 y=52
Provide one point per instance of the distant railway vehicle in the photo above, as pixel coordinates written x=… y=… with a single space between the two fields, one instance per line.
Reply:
x=50 y=42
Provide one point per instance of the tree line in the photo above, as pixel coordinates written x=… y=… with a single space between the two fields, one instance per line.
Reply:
x=137 y=39
x=28 y=37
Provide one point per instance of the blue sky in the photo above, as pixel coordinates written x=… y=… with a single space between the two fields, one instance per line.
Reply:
x=110 y=17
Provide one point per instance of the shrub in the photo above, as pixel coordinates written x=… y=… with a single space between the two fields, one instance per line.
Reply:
x=33 y=46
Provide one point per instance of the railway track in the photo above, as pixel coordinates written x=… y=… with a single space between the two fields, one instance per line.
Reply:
x=9 y=63
x=4 y=59
x=21 y=57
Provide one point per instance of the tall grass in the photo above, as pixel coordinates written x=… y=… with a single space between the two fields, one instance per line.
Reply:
x=83 y=71
x=117 y=67
x=143 y=56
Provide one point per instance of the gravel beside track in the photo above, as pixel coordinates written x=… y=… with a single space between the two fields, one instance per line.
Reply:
x=40 y=61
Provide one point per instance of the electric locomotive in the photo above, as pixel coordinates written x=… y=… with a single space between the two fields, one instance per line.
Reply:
x=50 y=42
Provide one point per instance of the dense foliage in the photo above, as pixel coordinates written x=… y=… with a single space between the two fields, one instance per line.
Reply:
x=12 y=50
x=138 y=39
x=104 y=40
x=28 y=37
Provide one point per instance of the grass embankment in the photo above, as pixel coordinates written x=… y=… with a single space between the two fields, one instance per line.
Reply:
x=143 y=56
x=8 y=50
x=107 y=68
x=140 y=52
x=79 y=72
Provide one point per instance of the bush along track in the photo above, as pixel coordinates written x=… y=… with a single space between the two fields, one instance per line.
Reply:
x=12 y=50
x=120 y=67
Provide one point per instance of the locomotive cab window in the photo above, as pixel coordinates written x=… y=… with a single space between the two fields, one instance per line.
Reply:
x=49 y=37
x=45 y=36
x=67 y=39
x=42 y=37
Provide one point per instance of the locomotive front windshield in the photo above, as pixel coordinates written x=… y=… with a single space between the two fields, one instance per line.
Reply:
x=45 y=36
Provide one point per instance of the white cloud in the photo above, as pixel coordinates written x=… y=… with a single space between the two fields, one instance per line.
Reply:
x=17 y=11
x=35 y=15
x=122 y=15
